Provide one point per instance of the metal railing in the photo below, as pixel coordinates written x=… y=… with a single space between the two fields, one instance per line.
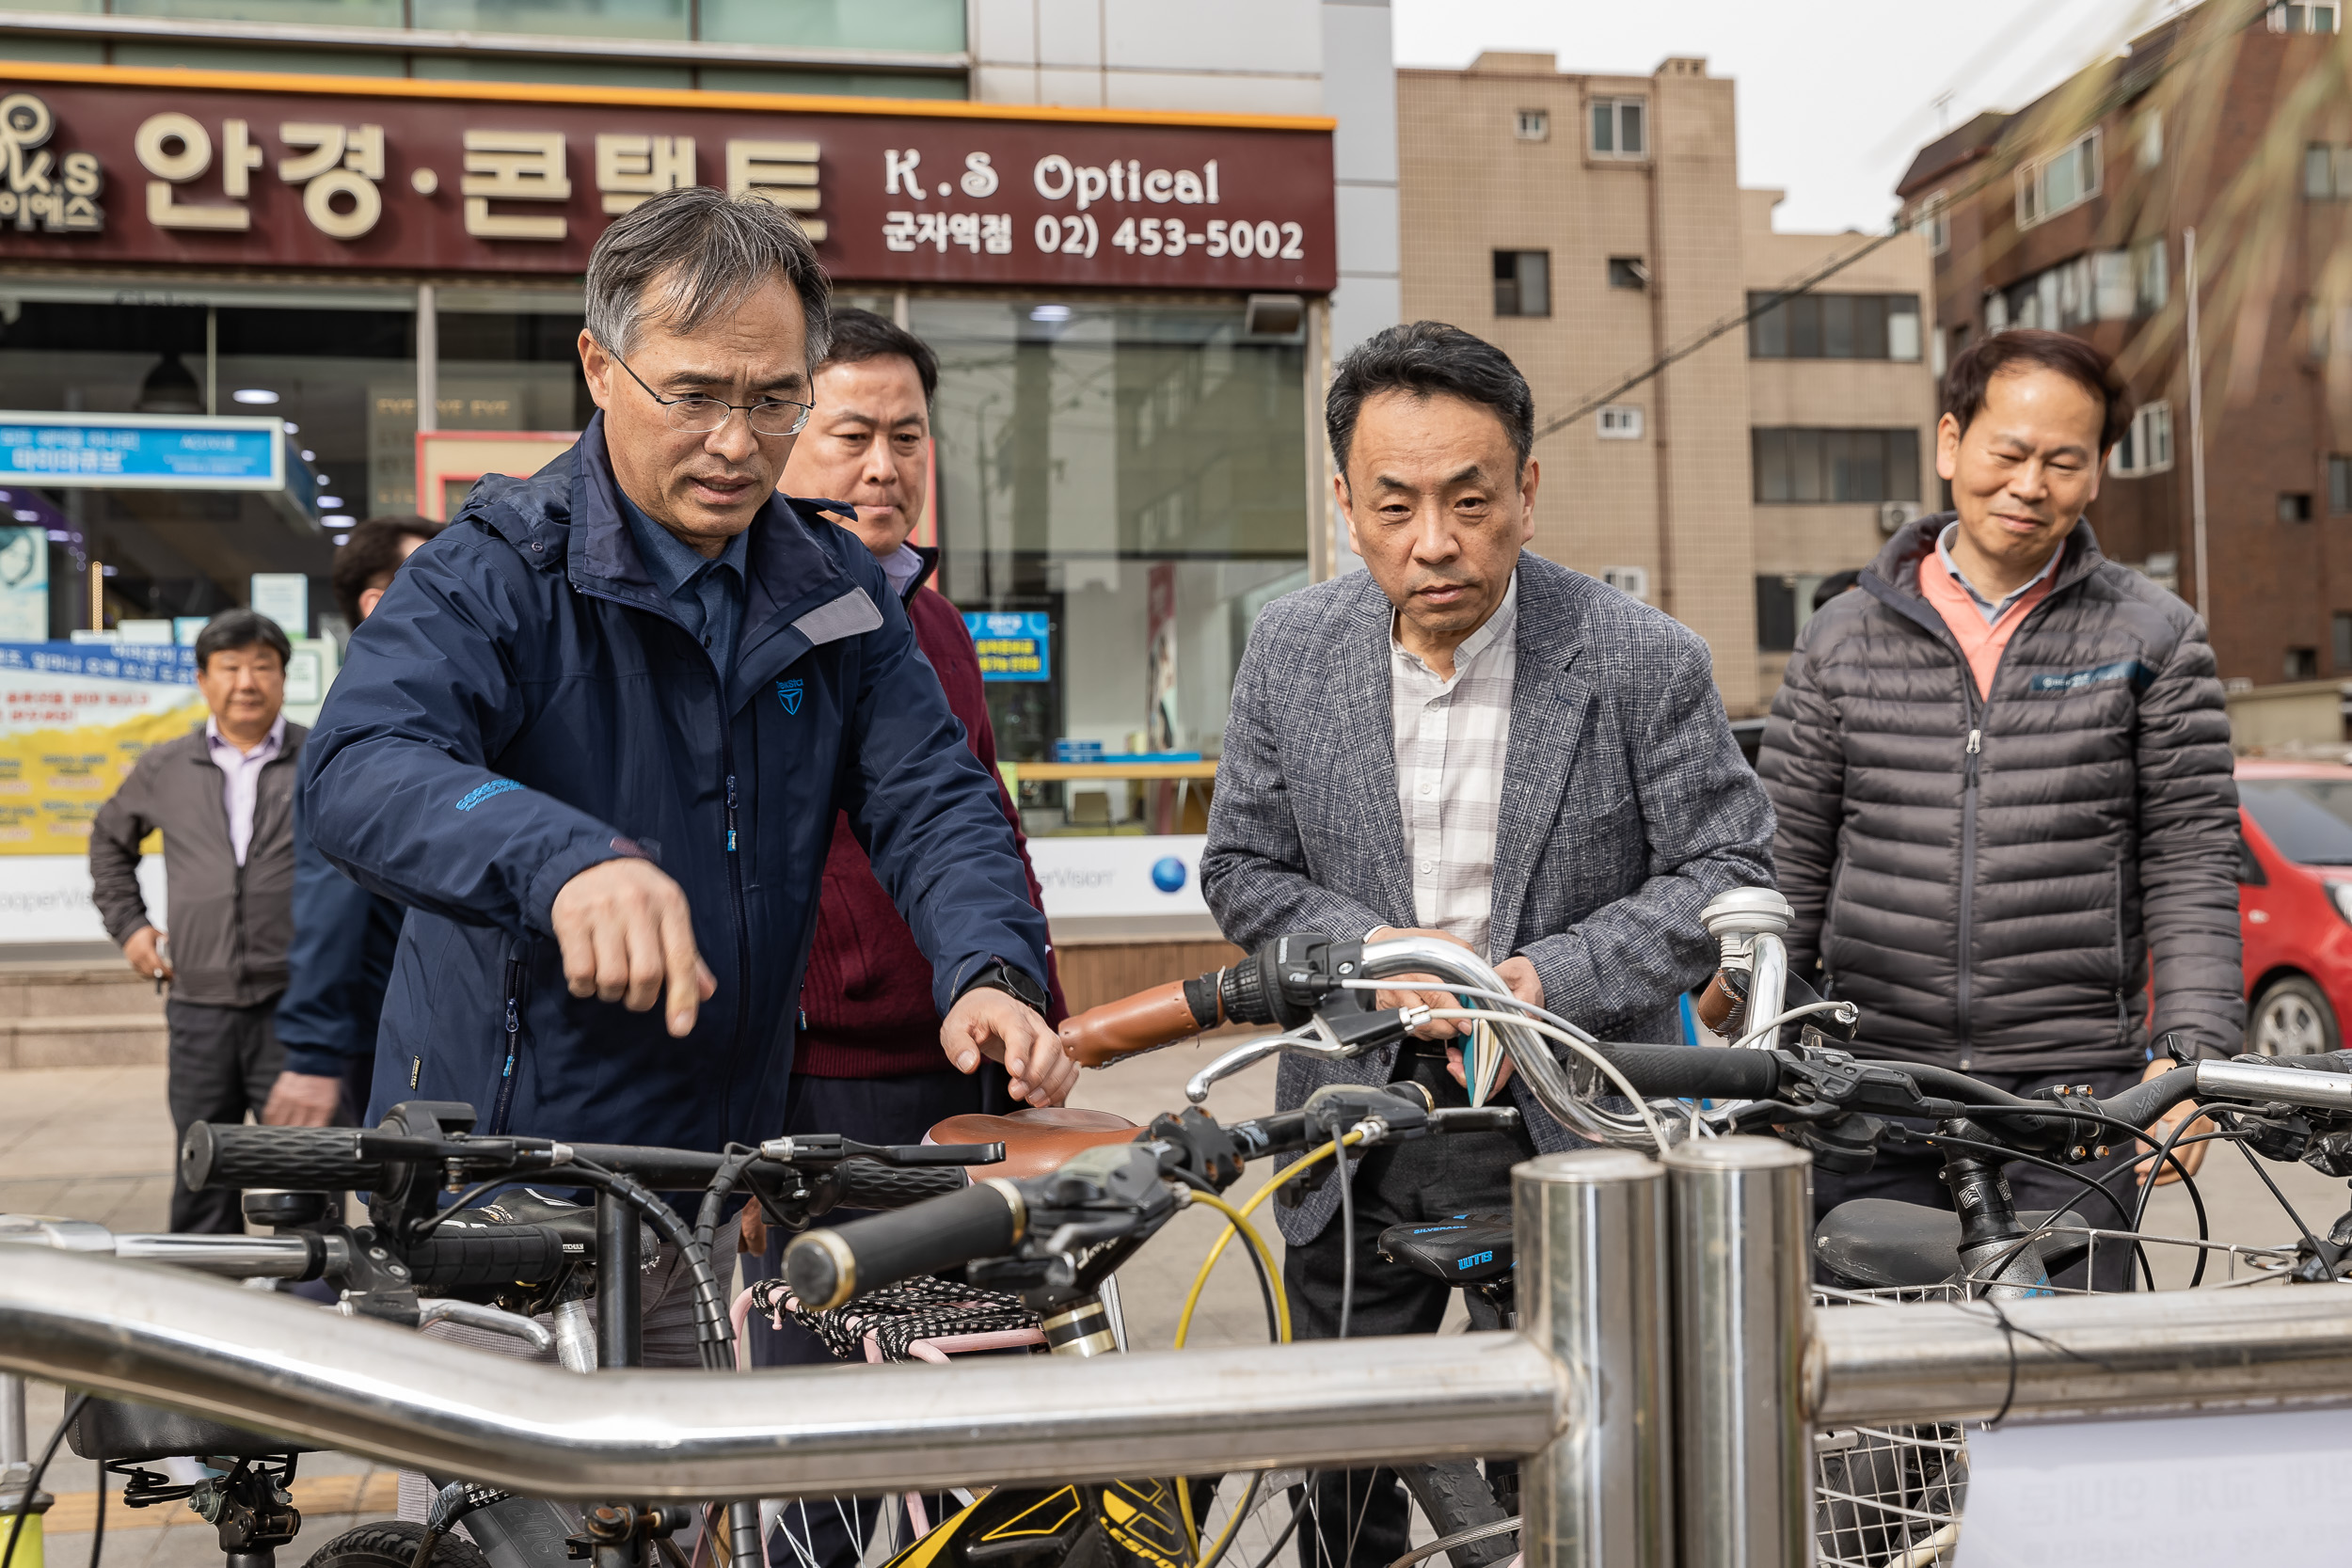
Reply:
x=1664 y=1387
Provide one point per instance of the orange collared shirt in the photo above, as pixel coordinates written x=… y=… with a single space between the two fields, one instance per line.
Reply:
x=1979 y=642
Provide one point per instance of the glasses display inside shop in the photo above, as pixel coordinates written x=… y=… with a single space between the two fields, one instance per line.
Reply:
x=1121 y=487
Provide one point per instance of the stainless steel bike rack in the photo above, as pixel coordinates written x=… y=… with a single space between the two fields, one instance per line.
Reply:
x=1666 y=1385
x=1741 y=1261
x=1590 y=1231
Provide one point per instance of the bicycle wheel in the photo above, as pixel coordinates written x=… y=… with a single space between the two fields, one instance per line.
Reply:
x=1258 y=1518
x=393 y=1543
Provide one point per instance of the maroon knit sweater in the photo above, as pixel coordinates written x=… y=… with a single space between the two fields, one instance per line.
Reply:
x=867 y=997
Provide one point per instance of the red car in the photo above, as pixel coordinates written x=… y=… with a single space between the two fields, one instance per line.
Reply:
x=2294 y=904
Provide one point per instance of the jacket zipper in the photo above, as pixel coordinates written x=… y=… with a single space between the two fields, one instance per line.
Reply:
x=1979 y=709
x=514 y=1046
x=726 y=764
x=1967 y=876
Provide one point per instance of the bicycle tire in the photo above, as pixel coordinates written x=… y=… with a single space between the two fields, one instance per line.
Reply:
x=1456 y=1497
x=393 y=1543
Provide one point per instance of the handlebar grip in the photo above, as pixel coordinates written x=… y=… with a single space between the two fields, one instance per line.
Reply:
x=485 y=1255
x=1144 y=1022
x=305 y=1159
x=826 y=1268
x=870 y=1184
x=1697 y=1073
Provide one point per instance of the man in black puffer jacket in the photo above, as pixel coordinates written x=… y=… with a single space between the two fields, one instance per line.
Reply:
x=2003 y=777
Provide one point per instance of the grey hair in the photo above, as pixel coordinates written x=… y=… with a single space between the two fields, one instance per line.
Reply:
x=699 y=253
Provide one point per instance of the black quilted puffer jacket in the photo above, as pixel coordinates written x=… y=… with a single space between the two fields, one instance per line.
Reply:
x=1985 y=878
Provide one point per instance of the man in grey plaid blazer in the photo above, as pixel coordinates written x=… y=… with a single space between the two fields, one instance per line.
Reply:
x=1359 y=791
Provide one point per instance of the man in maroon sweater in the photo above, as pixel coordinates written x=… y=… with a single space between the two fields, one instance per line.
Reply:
x=868 y=1062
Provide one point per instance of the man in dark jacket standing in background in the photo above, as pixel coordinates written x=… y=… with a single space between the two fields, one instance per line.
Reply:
x=868 y=1062
x=2003 y=778
x=343 y=935
x=223 y=798
x=597 y=737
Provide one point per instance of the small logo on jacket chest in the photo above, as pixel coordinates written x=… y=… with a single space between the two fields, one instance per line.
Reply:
x=789 y=693
x=2131 y=670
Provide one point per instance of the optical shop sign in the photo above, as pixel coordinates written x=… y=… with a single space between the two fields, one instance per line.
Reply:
x=72 y=721
x=99 y=163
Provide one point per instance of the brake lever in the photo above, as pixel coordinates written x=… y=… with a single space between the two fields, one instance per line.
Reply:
x=1335 y=1039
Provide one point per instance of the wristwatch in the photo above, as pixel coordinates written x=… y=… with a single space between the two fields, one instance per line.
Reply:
x=1014 y=983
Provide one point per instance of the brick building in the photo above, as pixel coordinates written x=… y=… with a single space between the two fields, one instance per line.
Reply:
x=1590 y=225
x=2076 y=213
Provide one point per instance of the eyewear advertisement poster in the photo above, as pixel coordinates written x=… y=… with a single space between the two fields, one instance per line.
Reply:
x=23 y=585
x=73 y=719
x=1089 y=878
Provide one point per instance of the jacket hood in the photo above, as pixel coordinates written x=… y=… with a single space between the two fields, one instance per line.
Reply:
x=1897 y=568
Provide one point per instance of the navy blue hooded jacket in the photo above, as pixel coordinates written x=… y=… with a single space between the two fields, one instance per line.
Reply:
x=341 y=959
x=522 y=707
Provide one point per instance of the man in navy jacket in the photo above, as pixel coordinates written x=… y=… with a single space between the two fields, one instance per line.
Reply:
x=596 y=736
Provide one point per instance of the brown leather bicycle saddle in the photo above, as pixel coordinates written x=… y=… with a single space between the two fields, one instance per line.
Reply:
x=1036 y=1140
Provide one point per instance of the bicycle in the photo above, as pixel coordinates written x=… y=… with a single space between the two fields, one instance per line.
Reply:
x=497 y=1268
x=1816 y=1093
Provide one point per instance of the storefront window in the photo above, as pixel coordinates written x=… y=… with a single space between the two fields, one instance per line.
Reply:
x=1137 y=473
x=509 y=360
x=319 y=361
x=909 y=25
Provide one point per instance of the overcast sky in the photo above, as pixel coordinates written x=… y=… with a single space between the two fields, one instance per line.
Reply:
x=1834 y=95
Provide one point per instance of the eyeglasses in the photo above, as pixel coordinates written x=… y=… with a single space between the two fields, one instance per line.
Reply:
x=699 y=416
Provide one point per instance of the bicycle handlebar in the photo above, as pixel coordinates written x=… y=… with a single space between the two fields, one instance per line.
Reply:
x=827 y=1267
x=306 y=1159
x=1690 y=1073
x=1145 y=1021
x=870 y=1184
x=457 y=1254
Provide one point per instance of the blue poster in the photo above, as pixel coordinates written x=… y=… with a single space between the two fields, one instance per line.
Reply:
x=1016 y=646
x=143 y=452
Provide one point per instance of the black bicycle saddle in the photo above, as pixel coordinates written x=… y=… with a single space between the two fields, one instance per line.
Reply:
x=1878 y=1244
x=1461 y=1249
x=125 y=1430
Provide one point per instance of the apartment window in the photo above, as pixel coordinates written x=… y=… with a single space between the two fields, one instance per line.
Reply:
x=2063 y=181
x=1633 y=580
x=2302 y=664
x=2147 y=444
x=2340 y=626
x=1522 y=282
x=2340 y=486
x=2327 y=172
x=1834 y=327
x=2151 y=280
x=2304 y=19
x=1627 y=272
x=1620 y=128
x=1784 y=604
x=2294 y=506
x=1621 y=421
x=1533 y=125
x=1802 y=467
x=2100 y=285
x=1936 y=218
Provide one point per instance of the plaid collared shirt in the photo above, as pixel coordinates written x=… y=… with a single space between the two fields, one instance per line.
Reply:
x=1451 y=738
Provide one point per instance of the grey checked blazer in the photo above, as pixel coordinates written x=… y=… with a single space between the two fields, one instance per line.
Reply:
x=1625 y=807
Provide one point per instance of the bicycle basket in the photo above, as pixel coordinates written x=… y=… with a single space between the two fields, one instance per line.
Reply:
x=1888 y=1496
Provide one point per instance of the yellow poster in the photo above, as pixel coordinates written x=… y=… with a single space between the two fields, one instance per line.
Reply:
x=73 y=720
